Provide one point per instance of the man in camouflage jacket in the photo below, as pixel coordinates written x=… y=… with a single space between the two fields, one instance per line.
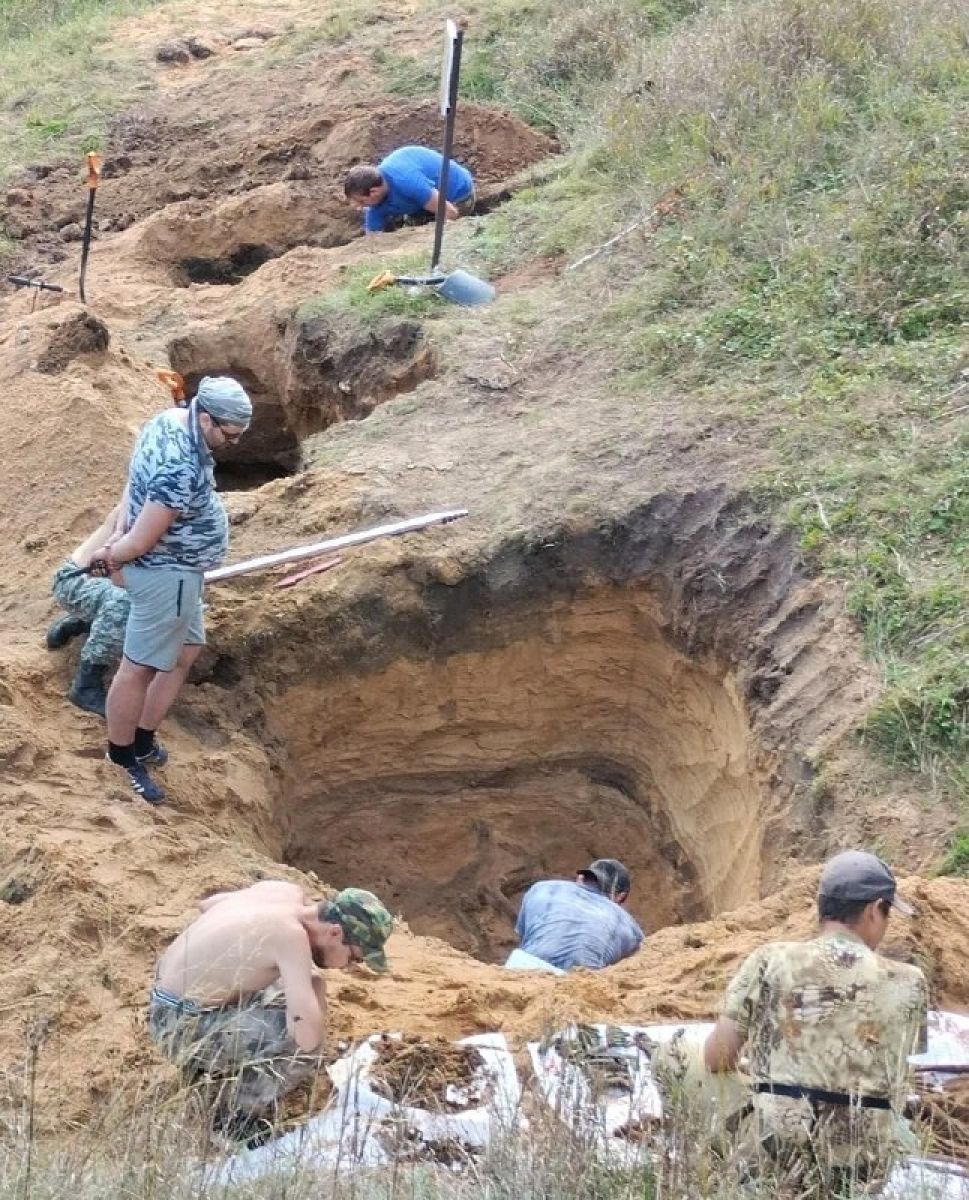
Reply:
x=828 y=1026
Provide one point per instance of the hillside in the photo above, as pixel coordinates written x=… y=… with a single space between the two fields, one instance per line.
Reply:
x=709 y=609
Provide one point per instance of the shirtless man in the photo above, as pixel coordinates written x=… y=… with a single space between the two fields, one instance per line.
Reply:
x=236 y=997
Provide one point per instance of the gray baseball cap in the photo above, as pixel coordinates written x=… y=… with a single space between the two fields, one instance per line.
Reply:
x=609 y=875
x=857 y=876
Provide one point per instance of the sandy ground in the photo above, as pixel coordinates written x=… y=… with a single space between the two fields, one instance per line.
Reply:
x=613 y=655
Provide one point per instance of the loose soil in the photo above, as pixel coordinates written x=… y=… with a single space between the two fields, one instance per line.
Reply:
x=420 y=1073
x=615 y=654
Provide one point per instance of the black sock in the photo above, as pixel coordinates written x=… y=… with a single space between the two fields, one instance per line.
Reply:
x=144 y=741
x=124 y=756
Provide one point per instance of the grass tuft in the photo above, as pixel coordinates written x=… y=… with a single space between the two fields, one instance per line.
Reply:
x=351 y=299
x=62 y=76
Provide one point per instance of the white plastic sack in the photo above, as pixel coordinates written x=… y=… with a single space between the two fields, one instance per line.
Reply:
x=927 y=1179
x=352 y=1132
x=566 y=1090
x=565 y=1087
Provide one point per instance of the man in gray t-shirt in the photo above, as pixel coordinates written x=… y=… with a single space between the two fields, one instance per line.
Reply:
x=174 y=529
x=563 y=924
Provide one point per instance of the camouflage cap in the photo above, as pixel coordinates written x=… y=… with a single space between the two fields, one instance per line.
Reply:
x=366 y=924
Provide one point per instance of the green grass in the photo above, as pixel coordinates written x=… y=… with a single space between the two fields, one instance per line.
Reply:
x=62 y=77
x=956 y=861
x=810 y=282
x=351 y=300
x=405 y=75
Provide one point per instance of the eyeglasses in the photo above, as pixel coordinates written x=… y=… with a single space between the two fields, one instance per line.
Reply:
x=231 y=438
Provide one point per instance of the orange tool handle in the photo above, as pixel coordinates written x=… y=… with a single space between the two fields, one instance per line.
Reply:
x=93 y=170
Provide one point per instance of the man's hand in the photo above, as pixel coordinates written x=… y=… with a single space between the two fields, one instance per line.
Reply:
x=721 y=1050
x=103 y=564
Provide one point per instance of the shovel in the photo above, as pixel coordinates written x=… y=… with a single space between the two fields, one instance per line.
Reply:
x=93 y=179
x=460 y=287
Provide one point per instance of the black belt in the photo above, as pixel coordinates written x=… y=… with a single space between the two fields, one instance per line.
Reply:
x=797 y=1091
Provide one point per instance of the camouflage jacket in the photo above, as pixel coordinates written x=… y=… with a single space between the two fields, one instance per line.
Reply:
x=833 y=1015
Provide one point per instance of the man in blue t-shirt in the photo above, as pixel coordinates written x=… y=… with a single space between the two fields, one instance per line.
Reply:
x=404 y=185
x=563 y=924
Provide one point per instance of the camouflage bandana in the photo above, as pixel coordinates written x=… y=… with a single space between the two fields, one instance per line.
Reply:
x=365 y=923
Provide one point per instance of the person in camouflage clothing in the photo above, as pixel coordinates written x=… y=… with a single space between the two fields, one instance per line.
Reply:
x=236 y=1002
x=95 y=607
x=175 y=528
x=828 y=1026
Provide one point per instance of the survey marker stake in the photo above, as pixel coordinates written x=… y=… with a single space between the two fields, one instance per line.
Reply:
x=93 y=179
x=460 y=287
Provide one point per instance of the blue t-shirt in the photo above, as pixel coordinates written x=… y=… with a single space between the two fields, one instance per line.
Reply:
x=171 y=468
x=411 y=174
x=570 y=925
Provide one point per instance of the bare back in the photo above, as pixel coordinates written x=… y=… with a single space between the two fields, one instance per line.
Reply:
x=234 y=948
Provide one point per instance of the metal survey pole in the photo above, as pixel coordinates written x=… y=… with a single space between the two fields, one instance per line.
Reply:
x=337 y=543
x=450 y=70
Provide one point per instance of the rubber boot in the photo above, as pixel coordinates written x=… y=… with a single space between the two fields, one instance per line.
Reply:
x=65 y=628
x=87 y=690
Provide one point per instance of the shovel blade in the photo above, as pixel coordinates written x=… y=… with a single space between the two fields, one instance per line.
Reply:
x=461 y=287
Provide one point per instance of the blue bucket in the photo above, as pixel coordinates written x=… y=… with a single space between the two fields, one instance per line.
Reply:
x=461 y=288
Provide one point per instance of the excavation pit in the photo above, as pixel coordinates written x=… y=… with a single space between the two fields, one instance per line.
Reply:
x=451 y=783
x=303 y=373
x=226 y=271
x=653 y=686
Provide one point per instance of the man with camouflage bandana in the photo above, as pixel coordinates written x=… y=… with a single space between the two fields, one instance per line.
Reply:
x=828 y=1025
x=95 y=607
x=175 y=529
x=236 y=999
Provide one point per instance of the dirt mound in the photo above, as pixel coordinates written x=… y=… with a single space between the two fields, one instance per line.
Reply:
x=76 y=334
x=243 y=186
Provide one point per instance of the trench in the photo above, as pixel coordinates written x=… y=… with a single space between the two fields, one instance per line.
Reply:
x=452 y=783
x=303 y=374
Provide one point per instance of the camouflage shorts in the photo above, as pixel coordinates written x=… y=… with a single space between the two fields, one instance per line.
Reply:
x=244 y=1048
x=104 y=607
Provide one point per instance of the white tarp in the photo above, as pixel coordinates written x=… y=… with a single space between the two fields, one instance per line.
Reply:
x=567 y=1089
x=360 y=1128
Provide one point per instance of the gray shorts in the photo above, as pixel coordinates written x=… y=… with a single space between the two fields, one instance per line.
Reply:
x=166 y=614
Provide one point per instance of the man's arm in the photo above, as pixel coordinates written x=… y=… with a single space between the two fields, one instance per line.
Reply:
x=83 y=553
x=120 y=515
x=152 y=524
x=304 y=992
x=450 y=211
x=721 y=1050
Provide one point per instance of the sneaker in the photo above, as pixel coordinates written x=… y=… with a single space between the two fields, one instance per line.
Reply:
x=142 y=783
x=157 y=756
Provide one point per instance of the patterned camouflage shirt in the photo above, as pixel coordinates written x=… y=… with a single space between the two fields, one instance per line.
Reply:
x=829 y=1014
x=170 y=468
